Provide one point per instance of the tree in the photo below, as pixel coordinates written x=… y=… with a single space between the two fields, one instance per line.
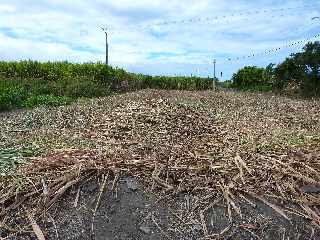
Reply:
x=309 y=61
x=251 y=78
x=287 y=72
x=301 y=69
x=269 y=71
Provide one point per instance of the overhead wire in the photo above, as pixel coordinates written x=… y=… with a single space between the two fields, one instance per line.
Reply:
x=276 y=12
x=272 y=50
x=213 y=19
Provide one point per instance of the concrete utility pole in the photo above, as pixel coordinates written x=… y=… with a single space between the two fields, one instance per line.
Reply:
x=107 y=46
x=214 y=74
x=214 y=67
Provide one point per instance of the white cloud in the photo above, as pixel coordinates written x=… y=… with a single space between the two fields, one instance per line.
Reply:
x=63 y=29
x=6 y=8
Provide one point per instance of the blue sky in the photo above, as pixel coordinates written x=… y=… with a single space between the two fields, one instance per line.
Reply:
x=170 y=37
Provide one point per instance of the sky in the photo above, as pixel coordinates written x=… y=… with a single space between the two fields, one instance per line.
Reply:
x=159 y=37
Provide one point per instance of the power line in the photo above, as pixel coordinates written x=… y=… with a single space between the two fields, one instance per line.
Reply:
x=245 y=57
x=226 y=17
x=251 y=55
x=276 y=12
x=310 y=24
x=272 y=50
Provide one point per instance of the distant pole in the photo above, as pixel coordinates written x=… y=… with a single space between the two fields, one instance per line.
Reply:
x=214 y=67
x=214 y=75
x=107 y=46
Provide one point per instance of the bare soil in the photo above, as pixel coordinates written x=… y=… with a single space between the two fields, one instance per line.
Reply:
x=134 y=213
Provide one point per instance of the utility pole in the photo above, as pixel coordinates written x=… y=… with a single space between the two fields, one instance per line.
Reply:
x=214 y=75
x=214 y=67
x=107 y=46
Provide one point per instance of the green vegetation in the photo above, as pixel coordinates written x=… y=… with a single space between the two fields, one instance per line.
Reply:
x=11 y=96
x=31 y=83
x=224 y=84
x=301 y=70
x=9 y=160
x=252 y=78
x=46 y=100
x=298 y=74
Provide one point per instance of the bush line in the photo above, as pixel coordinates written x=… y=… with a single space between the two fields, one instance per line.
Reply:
x=32 y=83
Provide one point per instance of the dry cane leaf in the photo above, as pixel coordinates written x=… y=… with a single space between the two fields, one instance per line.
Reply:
x=35 y=227
x=241 y=161
x=236 y=160
x=313 y=215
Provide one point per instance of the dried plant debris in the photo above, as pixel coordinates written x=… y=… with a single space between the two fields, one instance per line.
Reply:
x=221 y=148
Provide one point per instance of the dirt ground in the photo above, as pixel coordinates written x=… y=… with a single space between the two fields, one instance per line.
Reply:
x=131 y=213
x=135 y=214
x=191 y=165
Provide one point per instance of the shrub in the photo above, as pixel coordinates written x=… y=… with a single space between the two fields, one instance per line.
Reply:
x=225 y=84
x=46 y=100
x=11 y=97
x=33 y=83
x=253 y=78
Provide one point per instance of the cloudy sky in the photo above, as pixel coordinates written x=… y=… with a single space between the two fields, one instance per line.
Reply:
x=171 y=37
